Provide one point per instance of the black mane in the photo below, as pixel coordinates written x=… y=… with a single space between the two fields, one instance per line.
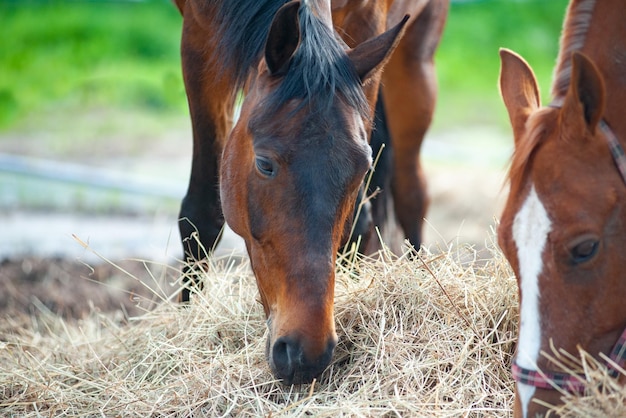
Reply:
x=319 y=70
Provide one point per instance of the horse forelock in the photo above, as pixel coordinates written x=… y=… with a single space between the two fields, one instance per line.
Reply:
x=539 y=126
x=243 y=26
x=575 y=27
x=319 y=71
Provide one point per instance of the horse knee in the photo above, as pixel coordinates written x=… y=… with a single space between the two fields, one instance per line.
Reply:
x=411 y=203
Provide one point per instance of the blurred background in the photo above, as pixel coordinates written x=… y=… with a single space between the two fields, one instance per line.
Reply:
x=95 y=137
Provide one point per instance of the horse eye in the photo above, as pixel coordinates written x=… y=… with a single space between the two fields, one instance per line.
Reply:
x=584 y=251
x=265 y=166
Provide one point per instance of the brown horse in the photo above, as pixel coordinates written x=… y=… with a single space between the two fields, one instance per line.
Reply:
x=292 y=167
x=563 y=228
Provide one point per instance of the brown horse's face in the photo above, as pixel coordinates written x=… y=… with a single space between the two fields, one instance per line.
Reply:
x=289 y=180
x=563 y=228
x=289 y=186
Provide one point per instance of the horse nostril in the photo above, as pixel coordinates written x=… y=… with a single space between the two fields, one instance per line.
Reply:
x=292 y=366
x=286 y=357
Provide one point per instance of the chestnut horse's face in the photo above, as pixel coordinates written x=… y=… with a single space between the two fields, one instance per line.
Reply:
x=289 y=179
x=563 y=228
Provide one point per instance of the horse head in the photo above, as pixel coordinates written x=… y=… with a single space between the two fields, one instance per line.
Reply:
x=563 y=228
x=290 y=173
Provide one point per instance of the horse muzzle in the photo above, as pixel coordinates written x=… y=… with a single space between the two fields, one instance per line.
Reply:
x=290 y=363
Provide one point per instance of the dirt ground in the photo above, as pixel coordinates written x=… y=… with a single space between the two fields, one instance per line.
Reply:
x=32 y=286
x=43 y=267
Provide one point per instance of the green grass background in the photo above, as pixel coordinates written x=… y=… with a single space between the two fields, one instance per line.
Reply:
x=71 y=56
x=66 y=58
x=468 y=63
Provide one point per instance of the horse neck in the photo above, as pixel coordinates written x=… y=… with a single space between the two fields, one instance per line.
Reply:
x=596 y=28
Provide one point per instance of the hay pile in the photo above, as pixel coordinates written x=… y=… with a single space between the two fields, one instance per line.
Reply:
x=426 y=337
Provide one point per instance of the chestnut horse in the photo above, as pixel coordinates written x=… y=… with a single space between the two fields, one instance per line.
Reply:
x=291 y=169
x=563 y=228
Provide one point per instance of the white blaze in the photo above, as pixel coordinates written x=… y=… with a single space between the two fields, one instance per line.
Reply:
x=530 y=232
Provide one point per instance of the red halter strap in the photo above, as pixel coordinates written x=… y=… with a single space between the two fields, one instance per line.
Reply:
x=569 y=382
x=616 y=149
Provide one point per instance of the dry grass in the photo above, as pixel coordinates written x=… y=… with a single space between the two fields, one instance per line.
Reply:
x=604 y=396
x=430 y=337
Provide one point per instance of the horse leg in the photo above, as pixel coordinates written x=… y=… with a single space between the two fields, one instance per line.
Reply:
x=380 y=188
x=356 y=26
x=409 y=91
x=211 y=99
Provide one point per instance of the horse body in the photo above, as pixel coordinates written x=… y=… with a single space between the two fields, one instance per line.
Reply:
x=291 y=168
x=563 y=228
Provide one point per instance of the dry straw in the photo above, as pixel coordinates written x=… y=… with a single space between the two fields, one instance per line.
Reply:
x=426 y=336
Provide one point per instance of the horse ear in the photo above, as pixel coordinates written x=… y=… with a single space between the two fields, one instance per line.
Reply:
x=370 y=56
x=283 y=38
x=518 y=87
x=586 y=91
